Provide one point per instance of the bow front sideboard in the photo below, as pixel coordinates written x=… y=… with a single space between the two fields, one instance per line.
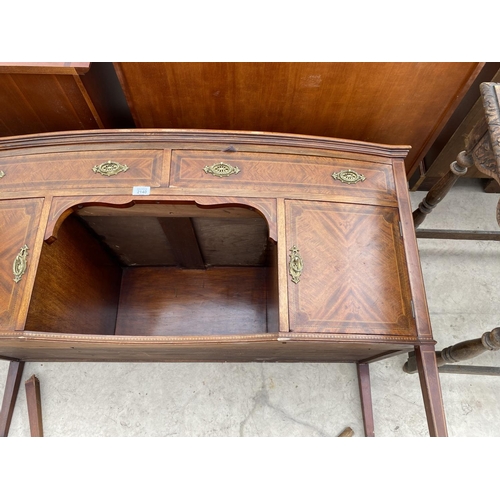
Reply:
x=192 y=245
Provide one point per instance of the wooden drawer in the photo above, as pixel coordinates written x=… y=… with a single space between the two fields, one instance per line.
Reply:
x=281 y=173
x=80 y=169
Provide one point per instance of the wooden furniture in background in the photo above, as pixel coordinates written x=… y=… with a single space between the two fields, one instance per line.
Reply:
x=51 y=97
x=469 y=349
x=208 y=246
x=444 y=152
x=387 y=103
x=482 y=152
x=420 y=104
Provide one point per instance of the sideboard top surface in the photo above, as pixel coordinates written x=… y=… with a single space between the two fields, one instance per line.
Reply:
x=156 y=138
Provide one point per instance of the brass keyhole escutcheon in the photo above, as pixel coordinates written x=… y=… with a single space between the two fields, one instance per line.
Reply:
x=296 y=264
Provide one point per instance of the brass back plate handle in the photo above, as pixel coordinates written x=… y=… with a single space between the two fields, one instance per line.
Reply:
x=221 y=169
x=110 y=168
x=348 y=176
x=20 y=264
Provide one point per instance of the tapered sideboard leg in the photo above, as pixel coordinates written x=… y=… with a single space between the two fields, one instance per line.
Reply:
x=10 y=395
x=431 y=390
x=32 y=386
x=365 y=393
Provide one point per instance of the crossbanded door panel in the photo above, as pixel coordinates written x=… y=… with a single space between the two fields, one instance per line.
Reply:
x=18 y=227
x=354 y=278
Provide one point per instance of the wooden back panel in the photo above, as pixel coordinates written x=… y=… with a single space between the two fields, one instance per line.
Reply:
x=171 y=301
x=77 y=285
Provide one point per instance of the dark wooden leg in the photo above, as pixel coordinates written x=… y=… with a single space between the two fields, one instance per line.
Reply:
x=457 y=169
x=33 y=400
x=469 y=349
x=431 y=390
x=10 y=395
x=365 y=393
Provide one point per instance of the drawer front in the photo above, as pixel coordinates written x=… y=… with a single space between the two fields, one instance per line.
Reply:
x=81 y=169
x=282 y=173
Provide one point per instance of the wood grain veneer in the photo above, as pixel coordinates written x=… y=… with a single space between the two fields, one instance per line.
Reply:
x=33 y=346
x=77 y=285
x=305 y=174
x=171 y=301
x=18 y=227
x=355 y=278
x=46 y=171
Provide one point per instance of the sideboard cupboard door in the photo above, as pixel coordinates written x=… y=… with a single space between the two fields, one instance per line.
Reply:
x=347 y=270
x=19 y=222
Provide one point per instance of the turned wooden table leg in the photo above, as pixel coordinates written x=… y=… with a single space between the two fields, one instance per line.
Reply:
x=10 y=395
x=32 y=386
x=469 y=349
x=431 y=390
x=457 y=169
x=366 y=399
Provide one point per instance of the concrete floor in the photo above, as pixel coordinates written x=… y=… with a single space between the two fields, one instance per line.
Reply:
x=463 y=285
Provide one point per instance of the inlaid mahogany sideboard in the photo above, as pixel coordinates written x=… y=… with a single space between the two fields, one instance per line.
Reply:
x=192 y=245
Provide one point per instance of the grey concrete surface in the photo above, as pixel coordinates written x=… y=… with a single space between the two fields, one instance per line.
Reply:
x=462 y=280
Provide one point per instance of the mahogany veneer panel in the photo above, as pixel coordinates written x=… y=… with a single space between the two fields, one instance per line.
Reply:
x=282 y=173
x=77 y=285
x=47 y=170
x=355 y=278
x=18 y=227
x=171 y=301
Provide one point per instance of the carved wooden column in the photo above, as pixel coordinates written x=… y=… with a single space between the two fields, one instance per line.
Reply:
x=487 y=151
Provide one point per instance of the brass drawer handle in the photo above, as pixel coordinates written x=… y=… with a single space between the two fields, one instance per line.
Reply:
x=221 y=169
x=296 y=264
x=110 y=168
x=348 y=176
x=19 y=266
